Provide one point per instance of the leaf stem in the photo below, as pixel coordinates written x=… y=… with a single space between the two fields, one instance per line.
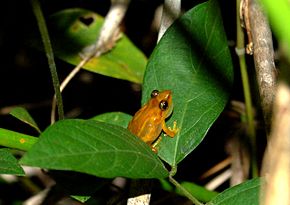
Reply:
x=49 y=54
x=240 y=50
x=181 y=188
x=184 y=191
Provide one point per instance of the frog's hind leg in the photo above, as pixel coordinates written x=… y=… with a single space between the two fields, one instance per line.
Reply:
x=153 y=146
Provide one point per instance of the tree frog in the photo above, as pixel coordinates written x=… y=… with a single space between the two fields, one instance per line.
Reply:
x=149 y=121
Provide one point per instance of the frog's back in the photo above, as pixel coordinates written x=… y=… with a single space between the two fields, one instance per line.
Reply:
x=145 y=126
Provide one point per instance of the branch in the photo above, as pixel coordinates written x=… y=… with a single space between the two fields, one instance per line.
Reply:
x=110 y=30
x=171 y=11
x=264 y=59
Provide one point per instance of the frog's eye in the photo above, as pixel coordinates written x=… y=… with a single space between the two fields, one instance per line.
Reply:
x=154 y=93
x=163 y=105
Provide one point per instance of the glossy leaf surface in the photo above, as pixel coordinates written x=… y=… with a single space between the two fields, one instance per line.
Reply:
x=193 y=60
x=95 y=148
x=115 y=118
x=245 y=193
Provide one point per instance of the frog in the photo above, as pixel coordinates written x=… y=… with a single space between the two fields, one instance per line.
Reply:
x=149 y=121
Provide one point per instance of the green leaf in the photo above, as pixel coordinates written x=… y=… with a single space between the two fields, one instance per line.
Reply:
x=22 y=114
x=115 y=118
x=199 y=192
x=9 y=164
x=16 y=140
x=245 y=193
x=193 y=60
x=95 y=148
x=74 y=29
x=82 y=199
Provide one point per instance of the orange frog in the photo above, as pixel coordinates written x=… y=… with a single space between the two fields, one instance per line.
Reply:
x=149 y=121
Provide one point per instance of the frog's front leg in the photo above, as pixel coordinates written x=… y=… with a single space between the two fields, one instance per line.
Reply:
x=171 y=132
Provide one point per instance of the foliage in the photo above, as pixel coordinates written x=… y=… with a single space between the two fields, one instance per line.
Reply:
x=96 y=148
x=75 y=29
x=192 y=59
x=194 y=62
x=9 y=164
x=246 y=193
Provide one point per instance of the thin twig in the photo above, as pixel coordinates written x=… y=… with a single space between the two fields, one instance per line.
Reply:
x=240 y=50
x=65 y=82
x=219 y=180
x=216 y=168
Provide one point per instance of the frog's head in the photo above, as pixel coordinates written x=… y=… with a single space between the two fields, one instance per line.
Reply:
x=164 y=100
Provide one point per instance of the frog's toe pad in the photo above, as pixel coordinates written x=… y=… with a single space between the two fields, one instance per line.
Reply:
x=175 y=129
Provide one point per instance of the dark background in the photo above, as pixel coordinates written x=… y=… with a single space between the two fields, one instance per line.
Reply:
x=25 y=77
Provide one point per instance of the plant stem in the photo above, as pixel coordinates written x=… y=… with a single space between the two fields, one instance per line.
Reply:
x=181 y=188
x=184 y=191
x=247 y=93
x=49 y=54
